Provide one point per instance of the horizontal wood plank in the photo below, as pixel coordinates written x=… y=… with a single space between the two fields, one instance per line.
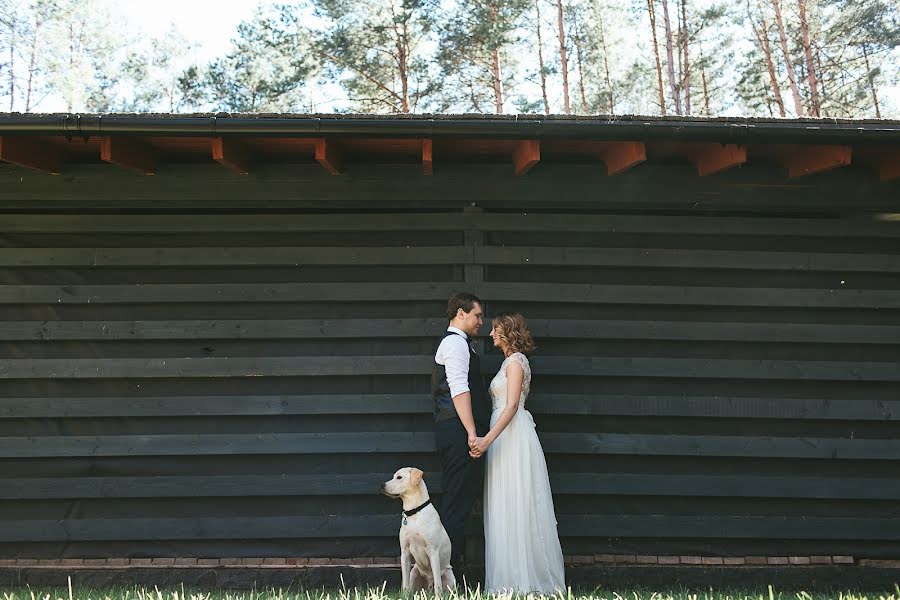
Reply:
x=857 y=409
x=720 y=445
x=250 y=329
x=457 y=221
x=366 y=484
x=374 y=442
x=726 y=407
x=310 y=366
x=730 y=527
x=217 y=444
x=447 y=255
x=228 y=256
x=361 y=526
x=188 y=406
x=686 y=259
x=726 y=486
x=239 y=329
x=439 y=291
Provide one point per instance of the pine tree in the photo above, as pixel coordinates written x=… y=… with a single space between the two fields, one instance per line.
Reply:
x=82 y=53
x=651 y=9
x=23 y=51
x=9 y=46
x=762 y=37
x=474 y=53
x=563 y=55
x=266 y=69
x=377 y=51
x=855 y=46
x=709 y=38
x=542 y=68
x=154 y=78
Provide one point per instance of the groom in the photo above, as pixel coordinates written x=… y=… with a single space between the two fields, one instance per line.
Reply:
x=462 y=412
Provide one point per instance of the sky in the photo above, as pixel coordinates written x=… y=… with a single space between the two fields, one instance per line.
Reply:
x=211 y=23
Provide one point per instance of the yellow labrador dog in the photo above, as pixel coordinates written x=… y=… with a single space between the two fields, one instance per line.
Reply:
x=422 y=536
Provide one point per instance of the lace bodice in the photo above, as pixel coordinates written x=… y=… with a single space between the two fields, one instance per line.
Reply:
x=497 y=388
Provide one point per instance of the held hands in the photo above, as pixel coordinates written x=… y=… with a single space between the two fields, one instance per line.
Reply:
x=478 y=446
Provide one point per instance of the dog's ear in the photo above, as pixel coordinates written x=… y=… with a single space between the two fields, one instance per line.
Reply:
x=415 y=476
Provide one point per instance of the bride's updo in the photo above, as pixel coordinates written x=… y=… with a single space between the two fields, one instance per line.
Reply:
x=512 y=329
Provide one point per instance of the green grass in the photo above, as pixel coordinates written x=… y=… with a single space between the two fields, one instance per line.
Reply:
x=383 y=593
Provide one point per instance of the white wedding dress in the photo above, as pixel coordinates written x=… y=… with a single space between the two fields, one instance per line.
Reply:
x=522 y=551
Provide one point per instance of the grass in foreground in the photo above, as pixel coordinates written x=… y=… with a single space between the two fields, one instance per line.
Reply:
x=383 y=593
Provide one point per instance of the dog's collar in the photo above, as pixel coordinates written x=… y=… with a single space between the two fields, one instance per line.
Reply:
x=409 y=513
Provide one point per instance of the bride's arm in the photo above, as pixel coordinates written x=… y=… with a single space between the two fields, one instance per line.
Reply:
x=515 y=378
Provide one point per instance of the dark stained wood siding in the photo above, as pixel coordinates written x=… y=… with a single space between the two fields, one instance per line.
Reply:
x=199 y=364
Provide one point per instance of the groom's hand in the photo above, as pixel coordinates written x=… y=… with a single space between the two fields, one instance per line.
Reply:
x=478 y=447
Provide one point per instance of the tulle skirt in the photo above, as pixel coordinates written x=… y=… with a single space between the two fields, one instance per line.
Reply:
x=522 y=551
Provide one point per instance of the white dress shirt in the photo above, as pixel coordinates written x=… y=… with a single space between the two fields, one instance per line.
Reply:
x=453 y=353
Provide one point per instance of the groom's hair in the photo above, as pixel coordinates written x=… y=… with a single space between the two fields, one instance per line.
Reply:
x=461 y=300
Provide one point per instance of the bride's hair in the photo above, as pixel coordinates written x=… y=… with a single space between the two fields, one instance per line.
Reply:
x=512 y=329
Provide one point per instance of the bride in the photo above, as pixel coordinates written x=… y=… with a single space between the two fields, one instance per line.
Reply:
x=522 y=551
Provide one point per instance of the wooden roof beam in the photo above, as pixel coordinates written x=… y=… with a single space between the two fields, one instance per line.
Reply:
x=129 y=153
x=885 y=161
x=621 y=156
x=232 y=154
x=30 y=153
x=889 y=168
x=713 y=158
x=427 y=161
x=806 y=160
x=526 y=154
x=329 y=156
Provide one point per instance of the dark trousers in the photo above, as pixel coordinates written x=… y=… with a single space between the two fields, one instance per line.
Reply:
x=463 y=482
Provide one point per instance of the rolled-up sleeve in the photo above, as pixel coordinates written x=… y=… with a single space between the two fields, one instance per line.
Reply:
x=453 y=353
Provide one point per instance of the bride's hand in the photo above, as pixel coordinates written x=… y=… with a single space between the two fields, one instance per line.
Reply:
x=479 y=447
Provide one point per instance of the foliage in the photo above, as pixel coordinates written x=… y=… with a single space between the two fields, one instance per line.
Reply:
x=266 y=68
x=398 y=56
x=378 y=52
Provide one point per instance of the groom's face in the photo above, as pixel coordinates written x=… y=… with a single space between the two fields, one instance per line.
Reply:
x=472 y=320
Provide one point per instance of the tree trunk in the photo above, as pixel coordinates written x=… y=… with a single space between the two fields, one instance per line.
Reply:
x=609 y=89
x=762 y=36
x=498 y=88
x=676 y=37
x=871 y=79
x=12 y=59
x=821 y=81
x=662 y=99
x=403 y=54
x=669 y=58
x=810 y=67
x=705 y=87
x=687 y=61
x=32 y=62
x=788 y=63
x=563 y=57
x=474 y=97
x=537 y=10
x=71 y=41
x=584 y=105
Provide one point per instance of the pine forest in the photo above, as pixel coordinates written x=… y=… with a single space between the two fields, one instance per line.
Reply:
x=759 y=58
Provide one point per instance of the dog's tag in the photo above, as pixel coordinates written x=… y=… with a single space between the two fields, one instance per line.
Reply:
x=404 y=519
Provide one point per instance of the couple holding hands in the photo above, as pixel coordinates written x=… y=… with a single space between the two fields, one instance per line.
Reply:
x=488 y=445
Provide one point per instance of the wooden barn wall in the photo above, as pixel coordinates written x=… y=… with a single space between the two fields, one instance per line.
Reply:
x=196 y=364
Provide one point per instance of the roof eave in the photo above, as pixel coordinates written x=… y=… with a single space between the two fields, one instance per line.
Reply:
x=740 y=131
